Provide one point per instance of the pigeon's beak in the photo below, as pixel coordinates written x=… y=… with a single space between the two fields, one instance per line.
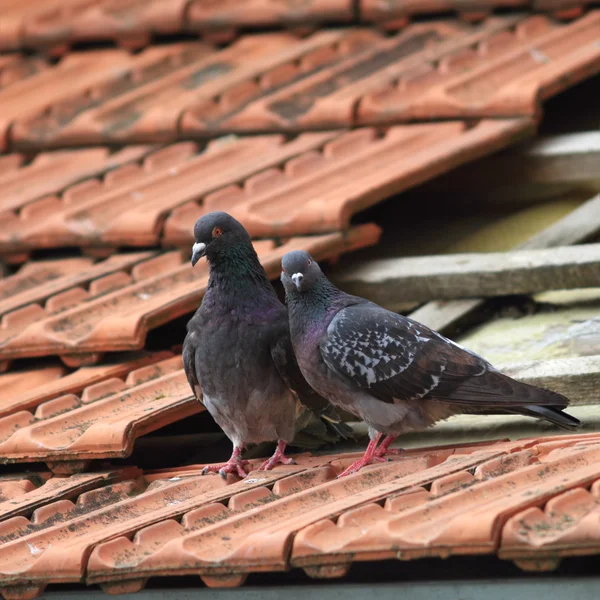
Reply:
x=297 y=279
x=198 y=251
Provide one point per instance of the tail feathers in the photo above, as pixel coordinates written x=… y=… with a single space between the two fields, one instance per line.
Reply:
x=552 y=414
x=334 y=423
x=316 y=430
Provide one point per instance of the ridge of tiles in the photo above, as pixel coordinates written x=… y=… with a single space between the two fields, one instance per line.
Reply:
x=502 y=67
x=178 y=522
x=119 y=403
x=79 y=311
x=275 y=186
x=51 y=24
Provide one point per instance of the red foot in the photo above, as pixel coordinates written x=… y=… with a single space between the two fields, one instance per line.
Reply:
x=359 y=464
x=384 y=449
x=369 y=457
x=234 y=465
x=278 y=457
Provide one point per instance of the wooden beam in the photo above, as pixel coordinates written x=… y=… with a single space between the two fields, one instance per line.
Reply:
x=452 y=276
x=567 y=158
x=446 y=315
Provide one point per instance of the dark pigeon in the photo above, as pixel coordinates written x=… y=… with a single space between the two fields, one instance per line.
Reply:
x=394 y=373
x=237 y=353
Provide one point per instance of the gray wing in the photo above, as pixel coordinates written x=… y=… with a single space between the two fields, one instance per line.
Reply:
x=286 y=364
x=395 y=357
x=189 y=364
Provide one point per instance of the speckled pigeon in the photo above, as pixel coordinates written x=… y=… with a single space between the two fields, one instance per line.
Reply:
x=394 y=373
x=238 y=355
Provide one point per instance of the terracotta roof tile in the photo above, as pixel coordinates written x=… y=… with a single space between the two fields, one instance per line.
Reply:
x=73 y=76
x=286 y=187
x=504 y=67
x=65 y=533
x=114 y=312
x=128 y=205
x=26 y=390
x=54 y=24
x=149 y=104
x=428 y=502
x=20 y=495
x=22 y=182
x=312 y=192
x=14 y=67
x=398 y=12
x=538 y=538
x=235 y=14
x=508 y=74
x=102 y=421
x=278 y=81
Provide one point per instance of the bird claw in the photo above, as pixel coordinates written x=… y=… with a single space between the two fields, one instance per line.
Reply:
x=278 y=457
x=234 y=466
x=358 y=465
x=271 y=462
x=388 y=452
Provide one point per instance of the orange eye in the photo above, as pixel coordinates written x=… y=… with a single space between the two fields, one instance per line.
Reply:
x=216 y=232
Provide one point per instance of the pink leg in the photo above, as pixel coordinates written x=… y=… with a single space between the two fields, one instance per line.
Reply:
x=234 y=465
x=368 y=458
x=278 y=457
x=384 y=448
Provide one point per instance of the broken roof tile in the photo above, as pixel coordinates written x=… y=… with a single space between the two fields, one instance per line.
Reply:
x=148 y=105
x=103 y=421
x=114 y=312
x=312 y=193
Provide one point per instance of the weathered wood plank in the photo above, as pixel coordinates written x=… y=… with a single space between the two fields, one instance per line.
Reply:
x=453 y=276
x=578 y=226
x=570 y=158
x=445 y=315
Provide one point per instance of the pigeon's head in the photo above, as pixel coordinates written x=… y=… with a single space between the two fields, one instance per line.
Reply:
x=214 y=233
x=300 y=271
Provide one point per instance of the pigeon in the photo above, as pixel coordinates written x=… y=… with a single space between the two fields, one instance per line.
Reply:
x=392 y=372
x=237 y=353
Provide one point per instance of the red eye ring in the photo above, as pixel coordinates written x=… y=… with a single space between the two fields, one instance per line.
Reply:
x=216 y=232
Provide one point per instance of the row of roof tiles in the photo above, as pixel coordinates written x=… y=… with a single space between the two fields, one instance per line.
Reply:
x=95 y=412
x=56 y=24
x=276 y=187
x=503 y=67
x=532 y=501
x=79 y=310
